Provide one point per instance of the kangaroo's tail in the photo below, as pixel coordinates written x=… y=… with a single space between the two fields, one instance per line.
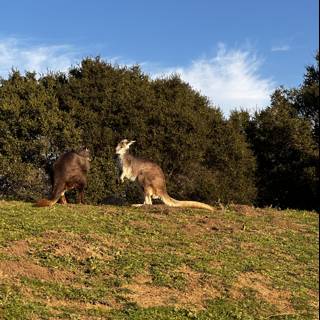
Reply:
x=184 y=204
x=57 y=192
x=45 y=203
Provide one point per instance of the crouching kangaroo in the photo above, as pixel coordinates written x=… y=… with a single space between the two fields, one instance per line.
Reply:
x=69 y=172
x=150 y=177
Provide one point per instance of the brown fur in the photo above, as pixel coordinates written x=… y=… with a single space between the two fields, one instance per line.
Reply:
x=69 y=172
x=150 y=177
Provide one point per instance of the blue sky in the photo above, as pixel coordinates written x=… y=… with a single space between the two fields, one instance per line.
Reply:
x=235 y=52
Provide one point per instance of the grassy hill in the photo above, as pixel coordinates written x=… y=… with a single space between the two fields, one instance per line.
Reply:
x=108 y=262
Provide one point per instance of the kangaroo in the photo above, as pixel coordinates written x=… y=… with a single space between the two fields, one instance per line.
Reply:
x=69 y=172
x=150 y=177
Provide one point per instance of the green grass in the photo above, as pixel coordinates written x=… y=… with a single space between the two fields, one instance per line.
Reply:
x=108 y=262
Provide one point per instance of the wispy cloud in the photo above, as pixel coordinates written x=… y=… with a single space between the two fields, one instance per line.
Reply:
x=280 y=48
x=23 y=55
x=230 y=79
x=20 y=54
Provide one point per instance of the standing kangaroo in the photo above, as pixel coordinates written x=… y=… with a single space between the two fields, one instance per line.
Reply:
x=69 y=172
x=150 y=177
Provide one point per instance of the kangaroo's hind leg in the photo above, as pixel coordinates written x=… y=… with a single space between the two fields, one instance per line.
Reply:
x=148 y=192
x=80 y=198
x=147 y=197
x=63 y=199
x=57 y=194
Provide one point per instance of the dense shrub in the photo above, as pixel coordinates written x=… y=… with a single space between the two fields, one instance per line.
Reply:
x=97 y=104
x=270 y=158
x=287 y=156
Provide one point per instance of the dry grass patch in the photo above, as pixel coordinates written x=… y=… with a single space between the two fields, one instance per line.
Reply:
x=17 y=248
x=246 y=210
x=197 y=292
x=77 y=246
x=25 y=268
x=263 y=286
x=66 y=244
x=56 y=303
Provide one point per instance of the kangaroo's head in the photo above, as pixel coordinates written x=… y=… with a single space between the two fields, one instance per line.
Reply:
x=123 y=146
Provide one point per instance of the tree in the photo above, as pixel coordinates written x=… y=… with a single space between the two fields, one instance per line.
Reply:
x=307 y=97
x=285 y=150
x=96 y=105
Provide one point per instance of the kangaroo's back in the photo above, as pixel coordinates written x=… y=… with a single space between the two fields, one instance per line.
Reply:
x=69 y=172
x=69 y=165
x=150 y=174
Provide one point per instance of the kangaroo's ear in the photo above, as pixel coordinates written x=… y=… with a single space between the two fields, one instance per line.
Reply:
x=131 y=142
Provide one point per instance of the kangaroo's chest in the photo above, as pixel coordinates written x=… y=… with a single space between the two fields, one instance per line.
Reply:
x=128 y=173
x=127 y=170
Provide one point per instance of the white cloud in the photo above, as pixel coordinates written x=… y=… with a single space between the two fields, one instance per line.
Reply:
x=22 y=55
x=280 y=48
x=230 y=79
x=19 y=54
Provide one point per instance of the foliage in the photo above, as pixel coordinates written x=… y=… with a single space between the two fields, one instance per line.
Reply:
x=285 y=141
x=307 y=97
x=286 y=156
x=270 y=158
x=97 y=104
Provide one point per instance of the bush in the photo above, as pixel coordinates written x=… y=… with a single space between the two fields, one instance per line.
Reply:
x=96 y=105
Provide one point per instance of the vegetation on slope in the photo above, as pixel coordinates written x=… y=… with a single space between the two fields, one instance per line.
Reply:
x=108 y=262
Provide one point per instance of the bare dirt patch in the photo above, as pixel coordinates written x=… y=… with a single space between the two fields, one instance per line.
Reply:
x=52 y=302
x=20 y=264
x=145 y=294
x=200 y=224
x=262 y=285
x=25 y=268
x=17 y=248
x=57 y=306
x=66 y=244
x=140 y=225
x=281 y=223
x=62 y=244
x=246 y=210
x=249 y=246
x=314 y=298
